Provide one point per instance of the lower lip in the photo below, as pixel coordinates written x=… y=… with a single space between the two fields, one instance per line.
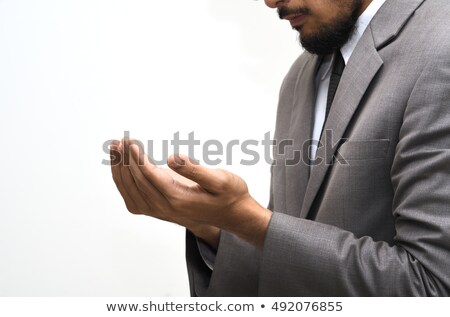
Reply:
x=297 y=21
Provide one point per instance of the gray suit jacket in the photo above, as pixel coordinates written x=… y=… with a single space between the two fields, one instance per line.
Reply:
x=373 y=219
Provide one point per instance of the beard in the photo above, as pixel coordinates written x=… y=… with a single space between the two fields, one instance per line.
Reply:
x=331 y=36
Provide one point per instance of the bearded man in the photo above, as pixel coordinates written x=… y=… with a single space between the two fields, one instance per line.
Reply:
x=360 y=202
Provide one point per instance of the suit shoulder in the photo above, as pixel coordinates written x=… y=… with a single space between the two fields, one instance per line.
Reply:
x=433 y=15
x=297 y=66
x=426 y=33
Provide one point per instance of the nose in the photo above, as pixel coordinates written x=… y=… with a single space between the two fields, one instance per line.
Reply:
x=276 y=3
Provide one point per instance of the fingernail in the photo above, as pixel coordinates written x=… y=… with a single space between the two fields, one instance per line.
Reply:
x=179 y=160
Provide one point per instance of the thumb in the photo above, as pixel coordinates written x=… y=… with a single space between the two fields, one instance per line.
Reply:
x=211 y=180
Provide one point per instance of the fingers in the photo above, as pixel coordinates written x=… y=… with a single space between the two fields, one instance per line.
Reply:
x=148 y=190
x=115 y=142
x=180 y=179
x=125 y=183
x=152 y=180
x=214 y=181
x=157 y=177
x=133 y=192
x=116 y=159
x=117 y=177
x=115 y=154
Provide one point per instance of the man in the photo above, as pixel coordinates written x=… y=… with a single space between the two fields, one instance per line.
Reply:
x=364 y=212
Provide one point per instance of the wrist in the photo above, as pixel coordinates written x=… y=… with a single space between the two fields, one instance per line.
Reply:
x=209 y=234
x=250 y=222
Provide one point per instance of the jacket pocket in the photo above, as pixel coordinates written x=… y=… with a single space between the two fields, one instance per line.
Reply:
x=362 y=150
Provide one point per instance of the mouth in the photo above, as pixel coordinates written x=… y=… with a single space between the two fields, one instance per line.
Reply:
x=296 y=20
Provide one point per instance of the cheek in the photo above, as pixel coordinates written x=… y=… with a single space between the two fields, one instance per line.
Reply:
x=321 y=15
x=310 y=27
x=325 y=11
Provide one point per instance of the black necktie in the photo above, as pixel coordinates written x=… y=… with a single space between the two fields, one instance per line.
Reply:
x=336 y=73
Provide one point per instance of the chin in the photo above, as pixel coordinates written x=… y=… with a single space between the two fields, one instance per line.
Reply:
x=303 y=31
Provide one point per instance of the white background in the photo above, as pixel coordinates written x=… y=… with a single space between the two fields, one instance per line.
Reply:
x=76 y=73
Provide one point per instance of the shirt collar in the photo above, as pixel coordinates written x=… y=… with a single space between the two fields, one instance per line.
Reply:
x=361 y=25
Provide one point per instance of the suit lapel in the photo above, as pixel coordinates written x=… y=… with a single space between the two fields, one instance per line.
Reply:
x=358 y=75
x=300 y=128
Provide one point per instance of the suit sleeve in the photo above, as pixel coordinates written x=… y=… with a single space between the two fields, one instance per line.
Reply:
x=198 y=272
x=306 y=258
